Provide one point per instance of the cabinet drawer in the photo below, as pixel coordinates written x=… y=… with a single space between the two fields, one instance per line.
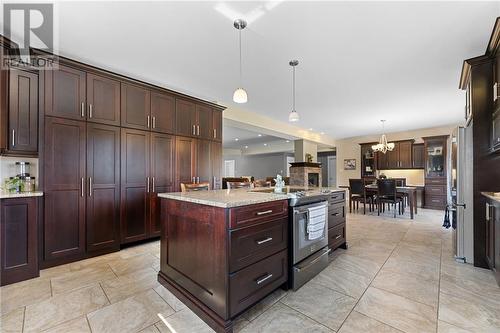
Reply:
x=336 y=214
x=253 y=214
x=435 y=190
x=435 y=201
x=435 y=181
x=251 y=244
x=336 y=197
x=251 y=284
x=336 y=236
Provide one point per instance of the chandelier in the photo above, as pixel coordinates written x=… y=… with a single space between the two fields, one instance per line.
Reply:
x=383 y=146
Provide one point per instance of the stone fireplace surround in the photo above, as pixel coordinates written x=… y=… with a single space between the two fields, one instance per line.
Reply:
x=302 y=172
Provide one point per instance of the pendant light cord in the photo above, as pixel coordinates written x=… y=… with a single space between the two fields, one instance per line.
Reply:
x=293 y=88
x=241 y=81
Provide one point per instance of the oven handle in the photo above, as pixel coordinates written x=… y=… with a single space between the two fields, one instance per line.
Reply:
x=304 y=209
x=313 y=262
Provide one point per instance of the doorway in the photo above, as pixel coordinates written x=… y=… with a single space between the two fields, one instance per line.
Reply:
x=332 y=171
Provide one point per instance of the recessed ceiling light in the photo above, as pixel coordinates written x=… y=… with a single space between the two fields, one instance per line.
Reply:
x=259 y=135
x=246 y=147
x=322 y=133
x=287 y=140
x=310 y=129
x=265 y=144
x=236 y=139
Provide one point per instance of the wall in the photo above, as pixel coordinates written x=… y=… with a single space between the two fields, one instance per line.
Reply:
x=303 y=147
x=350 y=148
x=413 y=177
x=8 y=167
x=259 y=166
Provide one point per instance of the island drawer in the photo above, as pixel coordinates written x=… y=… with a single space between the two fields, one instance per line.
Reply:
x=251 y=284
x=336 y=197
x=336 y=236
x=336 y=214
x=251 y=244
x=253 y=214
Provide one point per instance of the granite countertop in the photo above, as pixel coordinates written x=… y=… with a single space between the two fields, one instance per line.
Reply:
x=492 y=195
x=6 y=195
x=235 y=197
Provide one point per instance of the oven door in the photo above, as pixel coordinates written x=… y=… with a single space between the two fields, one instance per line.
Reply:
x=302 y=246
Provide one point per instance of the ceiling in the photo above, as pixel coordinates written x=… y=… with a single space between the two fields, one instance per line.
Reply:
x=359 y=61
x=238 y=138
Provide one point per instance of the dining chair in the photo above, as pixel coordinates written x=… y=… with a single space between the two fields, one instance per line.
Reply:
x=357 y=194
x=192 y=187
x=401 y=182
x=262 y=183
x=386 y=193
x=232 y=179
x=235 y=185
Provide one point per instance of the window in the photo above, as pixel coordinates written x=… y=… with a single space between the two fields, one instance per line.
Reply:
x=229 y=166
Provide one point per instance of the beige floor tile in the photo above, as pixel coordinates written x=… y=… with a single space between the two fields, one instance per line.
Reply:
x=357 y=323
x=134 y=263
x=170 y=298
x=24 y=293
x=239 y=324
x=264 y=304
x=54 y=271
x=130 y=315
x=95 y=262
x=409 y=286
x=64 y=307
x=343 y=281
x=282 y=319
x=12 y=322
x=401 y=266
x=357 y=265
x=398 y=312
x=444 y=327
x=408 y=254
x=184 y=321
x=82 y=278
x=78 y=325
x=150 y=329
x=126 y=285
x=469 y=313
x=322 y=304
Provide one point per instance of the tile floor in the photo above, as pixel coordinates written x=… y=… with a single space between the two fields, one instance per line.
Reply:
x=398 y=275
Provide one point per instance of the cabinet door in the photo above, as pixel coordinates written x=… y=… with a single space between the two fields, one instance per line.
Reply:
x=64 y=197
x=65 y=93
x=162 y=175
x=490 y=237
x=135 y=107
x=203 y=161
x=418 y=156
x=216 y=160
x=185 y=114
x=103 y=181
x=204 y=116
x=405 y=148
x=217 y=125
x=162 y=113
x=185 y=160
x=103 y=99
x=23 y=111
x=382 y=161
x=392 y=157
x=134 y=184
x=18 y=240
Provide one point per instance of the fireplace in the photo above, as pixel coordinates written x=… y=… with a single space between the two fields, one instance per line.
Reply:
x=305 y=174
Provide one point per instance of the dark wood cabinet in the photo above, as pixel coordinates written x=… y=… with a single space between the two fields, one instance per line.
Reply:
x=64 y=189
x=65 y=93
x=18 y=239
x=185 y=150
x=135 y=107
x=492 y=235
x=435 y=170
x=103 y=192
x=405 y=151
x=185 y=113
x=23 y=112
x=216 y=161
x=418 y=157
x=103 y=100
x=203 y=162
x=162 y=113
x=368 y=161
x=217 y=125
x=336 y=221
x=398 y=158
x=135 y=160
x=204 y=122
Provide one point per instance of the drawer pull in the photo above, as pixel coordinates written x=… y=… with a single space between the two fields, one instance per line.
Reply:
x=268 y=239
x=335 y=214
x=265 y=212
x=338 y=236
x=435 y=200
x=267 y=277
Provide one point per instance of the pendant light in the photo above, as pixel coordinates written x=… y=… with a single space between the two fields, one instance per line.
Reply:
x=383 y=146
x=294 y=115
x=240 y=95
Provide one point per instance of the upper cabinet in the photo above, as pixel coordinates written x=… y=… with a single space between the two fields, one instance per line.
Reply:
x=399 y=158
x=418 y=157
x=217 y=125
x=495 y=126
x=368 y=161
x=204 y=121
x=103 y=100
x=135 y=107
x=197 y=120
x=162 y=112
x=435 y=156
x=185 y=113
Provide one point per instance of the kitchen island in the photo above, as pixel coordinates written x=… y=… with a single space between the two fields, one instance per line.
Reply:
x=224 y=250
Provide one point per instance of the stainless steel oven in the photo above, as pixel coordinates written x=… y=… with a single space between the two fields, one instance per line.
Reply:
x=309 y=242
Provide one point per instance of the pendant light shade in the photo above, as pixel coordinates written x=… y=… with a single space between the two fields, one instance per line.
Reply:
x=383 y=146
x=294 y=115
x=240 y=95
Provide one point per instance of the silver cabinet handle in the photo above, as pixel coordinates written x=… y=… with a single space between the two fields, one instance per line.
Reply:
x=265 y=212
x=215 y=133
x=90 y=186
x=82 y=110
x=197 y=180
x=153 y=184
x=82 y=187
x=268 y=239
x=194 y=129
x=148 y=121
x=154 y=122
x=91 y=108
x=147 y=184
x=267 y=277
x=338 y=236
x=13 y=137
x=194 y=180
x=198 y=130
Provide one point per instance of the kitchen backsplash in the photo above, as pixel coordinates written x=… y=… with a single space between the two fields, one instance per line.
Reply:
x=8 y=168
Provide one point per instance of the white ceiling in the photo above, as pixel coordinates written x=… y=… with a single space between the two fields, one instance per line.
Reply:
x=237 y=138
x=359 y=61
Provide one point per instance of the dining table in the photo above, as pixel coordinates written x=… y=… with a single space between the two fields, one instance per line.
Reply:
x=411 y=191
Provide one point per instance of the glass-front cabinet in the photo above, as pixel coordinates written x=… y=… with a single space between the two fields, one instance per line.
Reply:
x=435 y=157
x=368 y=161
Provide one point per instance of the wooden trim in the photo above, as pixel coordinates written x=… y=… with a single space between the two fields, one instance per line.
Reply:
x=494 y=43
x=466 y=68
